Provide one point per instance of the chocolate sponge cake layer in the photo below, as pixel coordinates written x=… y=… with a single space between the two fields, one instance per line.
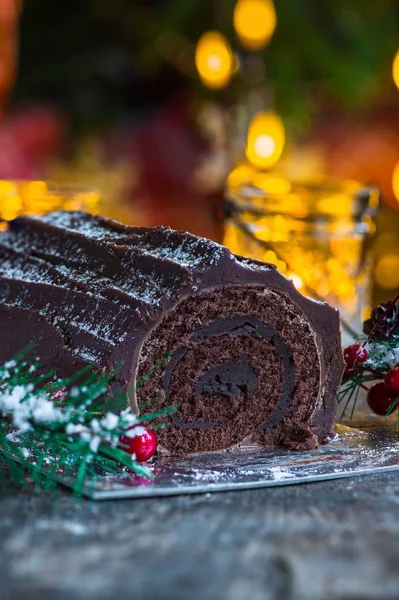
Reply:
x=247 y=354
x=253 y=369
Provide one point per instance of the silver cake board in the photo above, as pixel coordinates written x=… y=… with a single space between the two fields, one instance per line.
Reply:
x=350 y=454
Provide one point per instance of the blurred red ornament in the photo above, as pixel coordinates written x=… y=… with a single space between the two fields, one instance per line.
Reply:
x=27 y=139
x=166 y=151
x=13 y=163
x=38 y=131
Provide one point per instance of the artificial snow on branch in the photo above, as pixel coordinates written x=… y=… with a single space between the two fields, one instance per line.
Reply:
x=65 y=427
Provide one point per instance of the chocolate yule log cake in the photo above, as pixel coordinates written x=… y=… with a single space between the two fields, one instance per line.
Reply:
x=248 y=357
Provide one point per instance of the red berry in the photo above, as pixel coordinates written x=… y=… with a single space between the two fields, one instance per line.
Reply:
x=379 y=399
x=56 y=394
x=139 y=441
x=391 y=380
x=354 y=354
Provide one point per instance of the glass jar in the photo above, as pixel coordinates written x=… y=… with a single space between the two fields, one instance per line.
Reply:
x=316 y=231
x=40 y=197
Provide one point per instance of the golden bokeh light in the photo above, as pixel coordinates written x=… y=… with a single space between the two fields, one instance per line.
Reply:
x=395 y=69
x=214 y=59
x=310 y=230
x=395 y=181
x=40 y=197
x=266 y=138
x=272 y=184
x=241 y=174
x=254 y=22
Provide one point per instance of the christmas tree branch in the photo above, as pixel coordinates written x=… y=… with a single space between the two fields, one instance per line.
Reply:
x=65 y=428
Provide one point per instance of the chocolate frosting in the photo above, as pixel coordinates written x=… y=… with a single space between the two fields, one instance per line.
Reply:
x=88 y=290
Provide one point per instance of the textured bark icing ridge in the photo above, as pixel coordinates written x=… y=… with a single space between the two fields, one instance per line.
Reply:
x=249 y=354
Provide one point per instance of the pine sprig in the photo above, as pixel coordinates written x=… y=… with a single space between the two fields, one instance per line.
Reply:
x=64 y=429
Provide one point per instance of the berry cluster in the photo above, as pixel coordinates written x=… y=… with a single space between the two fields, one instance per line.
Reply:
x=382 y=397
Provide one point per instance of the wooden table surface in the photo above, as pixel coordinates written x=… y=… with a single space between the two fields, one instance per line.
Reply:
x=337 y=539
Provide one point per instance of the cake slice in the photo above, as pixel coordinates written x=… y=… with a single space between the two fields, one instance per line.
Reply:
x=249 y=357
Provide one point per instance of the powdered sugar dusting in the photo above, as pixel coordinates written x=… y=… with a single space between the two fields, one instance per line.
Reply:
x=280 y=474
x=92 y=279
x=160 y=242
x=193 y=252
x=252 y=264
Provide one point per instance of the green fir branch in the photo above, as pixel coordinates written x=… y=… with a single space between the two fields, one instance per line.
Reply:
x=76 y=437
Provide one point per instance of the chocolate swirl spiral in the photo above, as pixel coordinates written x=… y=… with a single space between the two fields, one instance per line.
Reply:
x=237 y=375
